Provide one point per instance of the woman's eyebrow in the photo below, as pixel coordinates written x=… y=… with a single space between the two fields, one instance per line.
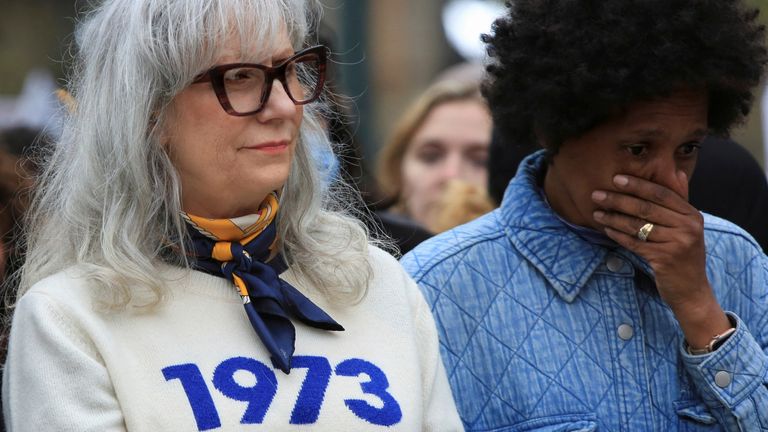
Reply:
x=648 y=133
x=283 y=55
x=653 y=133
x=699 y=133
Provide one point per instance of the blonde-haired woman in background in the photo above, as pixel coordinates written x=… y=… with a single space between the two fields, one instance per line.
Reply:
x=433 y=169
x=182 y=187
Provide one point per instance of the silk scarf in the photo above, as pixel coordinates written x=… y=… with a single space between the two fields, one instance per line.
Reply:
x=242 y=250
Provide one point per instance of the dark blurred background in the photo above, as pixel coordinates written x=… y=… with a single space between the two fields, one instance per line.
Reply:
x=387 y=52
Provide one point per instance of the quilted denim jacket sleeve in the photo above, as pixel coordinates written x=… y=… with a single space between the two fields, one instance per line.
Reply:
x=733 y=381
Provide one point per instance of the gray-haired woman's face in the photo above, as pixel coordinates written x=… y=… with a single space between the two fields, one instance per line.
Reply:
x=228 y=164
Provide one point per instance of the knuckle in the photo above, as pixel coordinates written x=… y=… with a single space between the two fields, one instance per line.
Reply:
x=680 y=246
x=696 y=225
x=644 y=209
x=660 y=194
x=685 y=243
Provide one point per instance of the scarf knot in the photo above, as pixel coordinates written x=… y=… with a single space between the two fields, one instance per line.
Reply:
x=241 y=260
x=242 y=250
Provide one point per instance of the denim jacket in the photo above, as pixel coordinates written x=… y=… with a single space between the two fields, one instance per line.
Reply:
x=542 y=330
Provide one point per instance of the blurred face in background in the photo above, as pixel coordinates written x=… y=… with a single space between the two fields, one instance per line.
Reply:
x=451 y=144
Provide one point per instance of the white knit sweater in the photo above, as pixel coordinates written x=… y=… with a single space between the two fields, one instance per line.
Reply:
x=195 y=363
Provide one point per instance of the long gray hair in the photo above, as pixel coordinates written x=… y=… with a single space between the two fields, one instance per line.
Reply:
x=109 y=198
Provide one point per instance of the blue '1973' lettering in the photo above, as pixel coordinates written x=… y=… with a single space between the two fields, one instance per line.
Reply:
x=259 y=397
x=261 y=394
x=312 y=391
x=197 y=392
x=387 y=415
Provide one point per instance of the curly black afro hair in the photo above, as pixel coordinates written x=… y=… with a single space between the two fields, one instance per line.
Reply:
x=560 y=67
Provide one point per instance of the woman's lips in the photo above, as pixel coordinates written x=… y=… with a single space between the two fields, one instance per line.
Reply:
x=269 y=146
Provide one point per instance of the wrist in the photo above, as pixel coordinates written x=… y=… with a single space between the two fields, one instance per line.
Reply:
x=701 y=322
x=715 y=343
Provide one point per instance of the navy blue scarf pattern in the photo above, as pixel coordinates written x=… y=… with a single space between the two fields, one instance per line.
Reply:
x=249 y=261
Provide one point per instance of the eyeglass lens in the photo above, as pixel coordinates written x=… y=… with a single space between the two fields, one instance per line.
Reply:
x=245 y=86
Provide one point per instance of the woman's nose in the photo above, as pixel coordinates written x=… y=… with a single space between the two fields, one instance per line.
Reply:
x=665 y=172
x=452 y=168
x=279 y=104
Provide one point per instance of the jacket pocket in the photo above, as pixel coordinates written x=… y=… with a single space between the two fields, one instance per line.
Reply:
x=693 y=416
x=560 y=423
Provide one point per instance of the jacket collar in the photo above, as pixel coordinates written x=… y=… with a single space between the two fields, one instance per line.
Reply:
x=563 y=257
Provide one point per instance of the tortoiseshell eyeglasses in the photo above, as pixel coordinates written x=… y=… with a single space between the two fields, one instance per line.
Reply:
x=244 y=88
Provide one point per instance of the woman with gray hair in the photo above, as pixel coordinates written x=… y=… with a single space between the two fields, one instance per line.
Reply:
x=182 y=186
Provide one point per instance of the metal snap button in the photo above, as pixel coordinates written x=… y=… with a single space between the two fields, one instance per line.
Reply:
x=614 y=264
x=626 y=332
x=723 y=379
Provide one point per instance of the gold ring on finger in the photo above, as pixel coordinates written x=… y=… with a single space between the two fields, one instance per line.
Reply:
x=645 y=231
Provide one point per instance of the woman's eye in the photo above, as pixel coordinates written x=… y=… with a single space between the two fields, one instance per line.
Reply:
x=689 y=149
x=637 y=150
x=239 y=74
x=479 y=160
x=429 y=158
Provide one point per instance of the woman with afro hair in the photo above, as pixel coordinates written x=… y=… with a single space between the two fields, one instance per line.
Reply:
x=596 y=297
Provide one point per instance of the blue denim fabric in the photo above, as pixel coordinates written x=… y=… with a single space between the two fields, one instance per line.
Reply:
x=543 y=331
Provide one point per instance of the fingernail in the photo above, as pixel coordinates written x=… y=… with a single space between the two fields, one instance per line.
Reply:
x=621 y=180
x=598 y=214
x=598 y=195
